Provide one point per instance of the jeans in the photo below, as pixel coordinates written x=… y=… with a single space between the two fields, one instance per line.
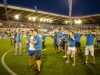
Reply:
x=18 y=45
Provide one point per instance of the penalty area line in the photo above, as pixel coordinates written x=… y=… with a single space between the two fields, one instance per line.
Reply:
x=4 y=64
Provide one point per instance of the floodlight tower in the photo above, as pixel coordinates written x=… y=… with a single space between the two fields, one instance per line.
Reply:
x=70 y=12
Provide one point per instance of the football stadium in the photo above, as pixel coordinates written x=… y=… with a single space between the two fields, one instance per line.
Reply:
x=36 y=42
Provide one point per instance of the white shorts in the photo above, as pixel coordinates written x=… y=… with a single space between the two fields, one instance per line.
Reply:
x=89 y=49
x=71 y=50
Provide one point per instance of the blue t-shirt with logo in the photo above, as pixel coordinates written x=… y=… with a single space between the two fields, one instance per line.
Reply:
x=89 y=39
x=59 y=35
x=43 y=38
x=78 y=37
x=72 y=43
x=38 y=43
x=19 y=39
x=66 y=37
x=55 y=38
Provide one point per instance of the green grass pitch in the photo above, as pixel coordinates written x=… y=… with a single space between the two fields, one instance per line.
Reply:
x=52 y=63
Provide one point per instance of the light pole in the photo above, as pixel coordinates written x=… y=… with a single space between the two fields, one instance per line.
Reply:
x=70 y=12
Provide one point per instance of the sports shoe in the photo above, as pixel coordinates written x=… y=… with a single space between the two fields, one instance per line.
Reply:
x=66 y=62
x=93 y=64
x=45 y=49
x=35 y=69
x=73 y=64
x=20 y=55
x=64 y=56
x=57 y=52
x=85 y=64
x=38 y=72
x=15 y=54
x=60 y=51
x=71 y=56
x=30 y=67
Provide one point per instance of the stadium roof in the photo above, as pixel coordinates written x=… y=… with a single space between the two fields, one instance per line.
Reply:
x=57 y=18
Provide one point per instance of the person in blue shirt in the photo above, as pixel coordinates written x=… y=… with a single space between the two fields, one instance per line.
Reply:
x=43 y=42
x=71 y=49
x=66 y=37
x=55 y=41
x=89 y=46
x=18 y=45
x=78 y=43
x=31 y=49
x=38 y=49
x=59 y=36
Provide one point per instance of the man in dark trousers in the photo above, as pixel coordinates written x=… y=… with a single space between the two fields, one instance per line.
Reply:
x=43 y=42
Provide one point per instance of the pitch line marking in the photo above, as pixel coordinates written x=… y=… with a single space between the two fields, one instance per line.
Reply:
x=4 y=64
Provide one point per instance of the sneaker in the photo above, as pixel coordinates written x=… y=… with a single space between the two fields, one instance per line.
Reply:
x=20 y=55
x=71 y=56
x=93 y=64
x=45 y=49
x=35 y=69
x=60 y=51
x=15 y=54
x=66 y=62
x=38 y=72
x=64 y=56
x=30 y=67
x=57 y=52
x=85 y=64
x=73 y=64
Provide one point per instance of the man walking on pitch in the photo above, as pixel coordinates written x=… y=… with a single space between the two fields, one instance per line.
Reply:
x=31 y=49
x=43 y=42
x=89 y=46
x=71 y=49
x=78 y=43
x=38 y=49
x=66 y=36
x=18 y=44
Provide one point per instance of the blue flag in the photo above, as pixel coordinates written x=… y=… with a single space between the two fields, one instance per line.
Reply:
x=36 y=9
x=5 y=3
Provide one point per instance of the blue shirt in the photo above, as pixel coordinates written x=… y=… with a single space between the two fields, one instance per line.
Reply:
x=78 y=37
x=19 y=39
x=43 y=38
x=38 y=43
x=66 y=37
x=15 y=35
x=72 y=43
x=55 y=38
x=59 y=35
x=89 y=39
